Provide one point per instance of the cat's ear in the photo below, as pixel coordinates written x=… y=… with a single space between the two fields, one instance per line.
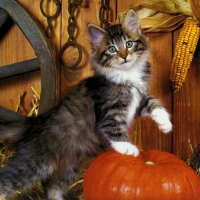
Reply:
x=96 y=34
x=131 y=22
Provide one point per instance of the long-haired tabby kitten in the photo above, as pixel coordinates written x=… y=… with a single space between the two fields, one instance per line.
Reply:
x=94 y=115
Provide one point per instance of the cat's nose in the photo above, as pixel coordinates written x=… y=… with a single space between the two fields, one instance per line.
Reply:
x=123 y=53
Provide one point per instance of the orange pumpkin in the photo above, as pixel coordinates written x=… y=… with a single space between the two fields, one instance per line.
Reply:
x=154 y=175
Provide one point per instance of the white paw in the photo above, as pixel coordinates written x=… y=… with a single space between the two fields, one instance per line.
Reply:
x=162 y=118
x=125 y=148
x=55 y=193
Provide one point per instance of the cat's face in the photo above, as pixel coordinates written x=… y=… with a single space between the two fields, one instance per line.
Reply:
x=120 y=46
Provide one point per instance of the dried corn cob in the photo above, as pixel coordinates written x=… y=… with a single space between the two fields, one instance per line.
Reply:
x=184 y=51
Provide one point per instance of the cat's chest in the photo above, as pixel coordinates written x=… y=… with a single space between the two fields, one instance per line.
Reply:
x=133 y=104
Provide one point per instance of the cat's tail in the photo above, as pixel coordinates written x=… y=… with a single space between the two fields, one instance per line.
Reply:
x=12 y=131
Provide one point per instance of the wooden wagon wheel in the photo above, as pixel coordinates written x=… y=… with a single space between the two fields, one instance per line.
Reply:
x=44 y=59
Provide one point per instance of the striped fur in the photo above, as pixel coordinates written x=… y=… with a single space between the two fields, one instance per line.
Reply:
x=94 y=116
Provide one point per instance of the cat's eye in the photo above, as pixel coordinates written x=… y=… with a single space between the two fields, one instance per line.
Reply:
x=129 y=44
x=112 y=49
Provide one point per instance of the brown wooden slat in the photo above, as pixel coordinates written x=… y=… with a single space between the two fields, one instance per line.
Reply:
x=15 y=48
x=144 y=132
x=42 y=50
x=85 y=16
x=161 y=48
x=32 y=7
x=186 y=112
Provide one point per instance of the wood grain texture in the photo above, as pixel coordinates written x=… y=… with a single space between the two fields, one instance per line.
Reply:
x=160 y=61
x=84 y=17
x=144 y=132
x=186 y=113
x=33 y=7
x=16 y=48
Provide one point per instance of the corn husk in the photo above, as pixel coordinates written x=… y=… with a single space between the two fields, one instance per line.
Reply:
x=163 y=15
x=167 y=6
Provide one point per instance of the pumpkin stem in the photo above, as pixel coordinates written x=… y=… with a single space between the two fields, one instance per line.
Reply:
x=149 y=162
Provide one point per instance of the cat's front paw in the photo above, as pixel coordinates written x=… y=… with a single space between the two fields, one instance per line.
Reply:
x=162 y=118
x=125 y=148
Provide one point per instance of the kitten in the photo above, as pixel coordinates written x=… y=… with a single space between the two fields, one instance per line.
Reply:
x=94 y=116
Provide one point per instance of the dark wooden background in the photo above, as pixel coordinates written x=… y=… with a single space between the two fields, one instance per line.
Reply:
x=183 y=106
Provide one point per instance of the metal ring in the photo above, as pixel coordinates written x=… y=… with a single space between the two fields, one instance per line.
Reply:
x=58 y=5
x=63 y=49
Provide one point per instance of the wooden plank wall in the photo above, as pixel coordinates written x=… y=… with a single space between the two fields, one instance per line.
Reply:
x=183 y=105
